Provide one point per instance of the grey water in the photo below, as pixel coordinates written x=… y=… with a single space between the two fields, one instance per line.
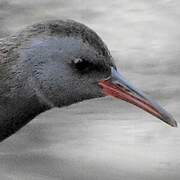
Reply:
x=104 y=139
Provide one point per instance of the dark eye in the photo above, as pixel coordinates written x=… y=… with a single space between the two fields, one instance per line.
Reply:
x=84 y=66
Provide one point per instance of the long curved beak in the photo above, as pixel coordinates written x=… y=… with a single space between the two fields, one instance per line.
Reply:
x=117 y=86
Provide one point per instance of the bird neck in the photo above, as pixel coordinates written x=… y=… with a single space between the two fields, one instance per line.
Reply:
x=15 y=116
x=18 y=107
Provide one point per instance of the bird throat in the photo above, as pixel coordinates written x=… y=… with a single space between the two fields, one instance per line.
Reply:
x=43 y=99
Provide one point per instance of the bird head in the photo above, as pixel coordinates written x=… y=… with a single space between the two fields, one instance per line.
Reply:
x=70 y=63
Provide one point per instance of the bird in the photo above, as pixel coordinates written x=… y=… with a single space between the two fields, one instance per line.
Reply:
x=56 y=63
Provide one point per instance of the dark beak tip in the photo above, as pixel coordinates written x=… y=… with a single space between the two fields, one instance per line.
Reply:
x=174 y=124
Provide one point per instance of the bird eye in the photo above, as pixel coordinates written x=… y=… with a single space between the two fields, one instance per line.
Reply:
x=83 y=65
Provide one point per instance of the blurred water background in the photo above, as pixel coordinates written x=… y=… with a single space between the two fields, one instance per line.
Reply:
x=104 y=139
